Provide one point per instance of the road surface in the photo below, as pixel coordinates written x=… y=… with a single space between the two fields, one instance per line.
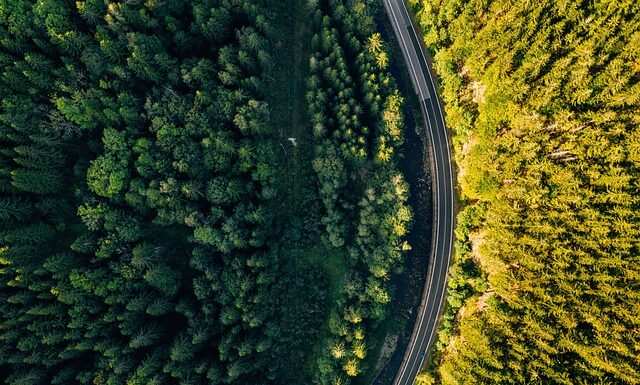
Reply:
x=424 y=333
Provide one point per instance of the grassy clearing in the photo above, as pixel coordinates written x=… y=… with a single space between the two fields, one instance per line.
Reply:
x=331 y=260
x=297 y=207
x=287 y=83
x=331 y=268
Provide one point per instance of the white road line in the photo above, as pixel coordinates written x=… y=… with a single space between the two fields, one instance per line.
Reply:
x=415 y=74
x=436 y=206
x=449 y=236
x=408 y=59
x=448 y=154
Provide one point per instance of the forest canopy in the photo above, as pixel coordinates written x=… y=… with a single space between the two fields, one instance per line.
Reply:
x=543 y=98
x=149 y=230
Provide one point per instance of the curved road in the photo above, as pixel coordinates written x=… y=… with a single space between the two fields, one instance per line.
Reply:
x=424 y=333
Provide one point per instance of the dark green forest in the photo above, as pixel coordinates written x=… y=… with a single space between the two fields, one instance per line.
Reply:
x=150 y=228
x=544 y=100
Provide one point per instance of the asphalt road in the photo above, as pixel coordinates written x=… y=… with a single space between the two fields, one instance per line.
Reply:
x=424 y=333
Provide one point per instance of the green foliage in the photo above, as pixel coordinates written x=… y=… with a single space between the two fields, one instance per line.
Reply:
x=37 y=181
x=141 y=238
x=106 y=176
x=14 y=209
x=332 y=177
x=115 y=282
x=355 y=111
x=543 y=102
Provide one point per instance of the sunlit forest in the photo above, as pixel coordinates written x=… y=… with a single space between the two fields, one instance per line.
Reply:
x=544 y=100
x=210 y=191
x=172 y=213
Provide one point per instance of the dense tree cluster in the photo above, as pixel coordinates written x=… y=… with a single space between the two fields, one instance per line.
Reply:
x=140 y=233
x=543 y=98
x=355 y=111
x=136 y=164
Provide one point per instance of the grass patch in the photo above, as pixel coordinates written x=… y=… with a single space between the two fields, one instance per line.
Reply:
x=331 y=261
x=324 y=269
x=287 y=83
